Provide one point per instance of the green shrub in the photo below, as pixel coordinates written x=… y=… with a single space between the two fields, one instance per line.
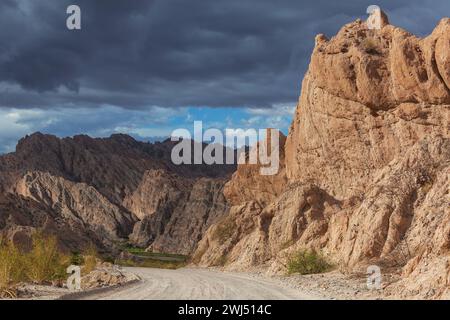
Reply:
x=77 y=259
x=307 y=262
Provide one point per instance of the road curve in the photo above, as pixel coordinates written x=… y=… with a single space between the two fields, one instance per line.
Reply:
x=199 y=284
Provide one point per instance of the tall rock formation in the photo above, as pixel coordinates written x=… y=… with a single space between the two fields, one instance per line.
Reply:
x=367 y=164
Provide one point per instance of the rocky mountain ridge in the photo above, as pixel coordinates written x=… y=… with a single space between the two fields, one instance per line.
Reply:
x=105 y=190
x=366 y=176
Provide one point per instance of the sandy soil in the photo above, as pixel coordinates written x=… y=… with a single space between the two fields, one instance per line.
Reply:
x=196 y=284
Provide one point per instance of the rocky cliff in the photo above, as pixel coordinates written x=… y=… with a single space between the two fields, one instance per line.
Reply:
x=175 y=212
x=108 y=191
x=365 y=178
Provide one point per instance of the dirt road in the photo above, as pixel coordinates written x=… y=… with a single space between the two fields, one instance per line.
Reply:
x=197 y=284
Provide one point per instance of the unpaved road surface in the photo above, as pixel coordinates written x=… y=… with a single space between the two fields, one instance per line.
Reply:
x=200 y=284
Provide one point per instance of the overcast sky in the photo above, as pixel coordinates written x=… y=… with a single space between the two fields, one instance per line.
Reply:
x=147 y=67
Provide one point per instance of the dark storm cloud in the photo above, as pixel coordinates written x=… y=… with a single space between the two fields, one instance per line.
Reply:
x=173 y=52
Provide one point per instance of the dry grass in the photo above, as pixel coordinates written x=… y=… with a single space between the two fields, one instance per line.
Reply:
x=426 y=187
x=370 y=45
x=45 y=262
x=90 y=258
x=11 y=268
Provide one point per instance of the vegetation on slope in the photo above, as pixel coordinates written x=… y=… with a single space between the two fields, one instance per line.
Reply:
x=141 y=258
x=42 y=263
x=307 y=262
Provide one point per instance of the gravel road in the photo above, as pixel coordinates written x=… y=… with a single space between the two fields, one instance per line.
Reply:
x=200 y=284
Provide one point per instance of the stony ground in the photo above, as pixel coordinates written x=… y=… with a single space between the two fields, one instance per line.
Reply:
x=103 y=276
x=334 y=286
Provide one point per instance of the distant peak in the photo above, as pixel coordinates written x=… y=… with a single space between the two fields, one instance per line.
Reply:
x=121 y=137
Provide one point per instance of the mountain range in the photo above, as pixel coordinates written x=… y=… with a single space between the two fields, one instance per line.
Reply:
x=364 y=175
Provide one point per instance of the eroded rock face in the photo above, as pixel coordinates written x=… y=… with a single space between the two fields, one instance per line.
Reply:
x=248 y=184
x=175 y=212
x=383 y=68
x=366 y=165
x=359 y=109
x=21 y=216
x=100 y=190
x=78 y=203
x=190 y=221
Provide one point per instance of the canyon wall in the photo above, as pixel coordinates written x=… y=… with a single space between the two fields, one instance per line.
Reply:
x=365 y=178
